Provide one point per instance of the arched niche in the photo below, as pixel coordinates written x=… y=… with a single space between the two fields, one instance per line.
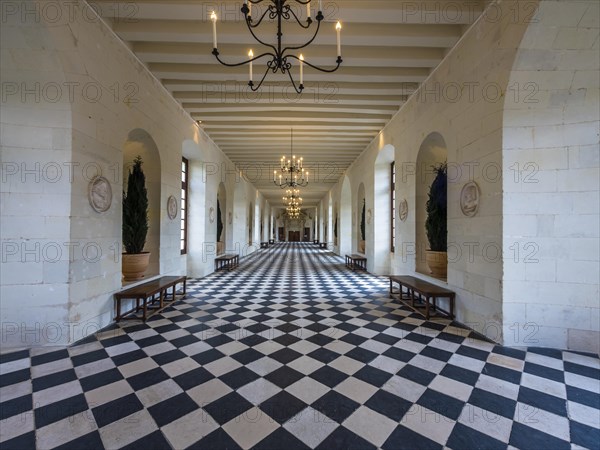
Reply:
x=382 y=207
x=139 y=142
x=433 y=151
x=360 y=202
x=345 y=221
x=222 y=218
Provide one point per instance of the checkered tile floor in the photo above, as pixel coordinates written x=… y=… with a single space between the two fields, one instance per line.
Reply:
x=293 y=351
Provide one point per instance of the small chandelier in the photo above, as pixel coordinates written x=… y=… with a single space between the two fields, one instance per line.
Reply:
x=293 y=212
x=280 y=11
x=292 y=197
x=291 y=173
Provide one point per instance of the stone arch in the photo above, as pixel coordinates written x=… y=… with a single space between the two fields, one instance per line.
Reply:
x=433 y=151
x=140 y=142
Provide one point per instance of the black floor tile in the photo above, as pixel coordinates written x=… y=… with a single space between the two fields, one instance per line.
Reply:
x=193 y=378
x=60 y=410
x=328 y=376
x=523 y=436
x=335 y=406
x=86 y=442
x=403 y=438
x=493 y=402
x=342 y=438
x=172 y=409
x=464 y=437
x=284 y=376
x=389 y=405
x=227 y=407
x=373 y=376
x=543 y=401
x=116 y=409
x=282 y=407
x=239 y=377
x=280 y=439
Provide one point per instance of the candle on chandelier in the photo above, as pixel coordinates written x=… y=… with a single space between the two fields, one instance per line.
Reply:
x=301 y=69
x=320 y=5
x=249 y=7
x=308 y=10
x=213 y=17
x=338 y=28
x=307 y=177
x=251 y=55
x=274 y=175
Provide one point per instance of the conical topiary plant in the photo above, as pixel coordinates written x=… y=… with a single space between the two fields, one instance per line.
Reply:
x=437 y=210
x=135 y=210
x=362 y=222
x=219 y=221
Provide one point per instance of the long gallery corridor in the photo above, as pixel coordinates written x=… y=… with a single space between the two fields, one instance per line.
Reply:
x=294 y=351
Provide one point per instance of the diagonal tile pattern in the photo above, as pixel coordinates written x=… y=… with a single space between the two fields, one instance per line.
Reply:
x=293 y=351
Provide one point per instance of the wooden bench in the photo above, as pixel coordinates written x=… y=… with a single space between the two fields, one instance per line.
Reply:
x=323 y=245
x=271 y=241
x=316 y=241
x=228 y=261
x=413 y=289
x=145 y=296
x=356 y=262
x=264 y=245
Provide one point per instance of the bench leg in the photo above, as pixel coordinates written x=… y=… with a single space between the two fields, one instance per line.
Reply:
x=118 y=312
x=427 y=300
x=145 y=309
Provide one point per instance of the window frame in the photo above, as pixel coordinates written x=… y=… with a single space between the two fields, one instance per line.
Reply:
x=393 y=206
x=185 y=176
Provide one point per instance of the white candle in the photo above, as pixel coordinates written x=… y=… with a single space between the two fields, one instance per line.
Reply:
x=320 y=5
x=301 y=69
x=274 y=173
x=213 y=17
x=308 y=10
x=338 y=28
x=249 y=9
x=251 y=55
x=307 y=177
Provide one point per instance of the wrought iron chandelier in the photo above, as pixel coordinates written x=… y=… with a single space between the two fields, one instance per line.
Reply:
x=291 y=172
x=279 y=55
x=292 y=197
x=293 y=212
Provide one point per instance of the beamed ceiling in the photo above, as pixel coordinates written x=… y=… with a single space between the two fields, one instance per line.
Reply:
x=388 y=48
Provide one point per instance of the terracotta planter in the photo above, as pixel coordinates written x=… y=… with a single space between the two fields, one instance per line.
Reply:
x=134 y=265
x=437 y=263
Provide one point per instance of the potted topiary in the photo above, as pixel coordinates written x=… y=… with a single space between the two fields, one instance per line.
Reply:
x=335 y=231
x=436 y=224
x=220 y=244
x=362 y=244
x=135 y=224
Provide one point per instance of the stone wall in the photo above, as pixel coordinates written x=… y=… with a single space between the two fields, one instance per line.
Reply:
x=78 y=94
